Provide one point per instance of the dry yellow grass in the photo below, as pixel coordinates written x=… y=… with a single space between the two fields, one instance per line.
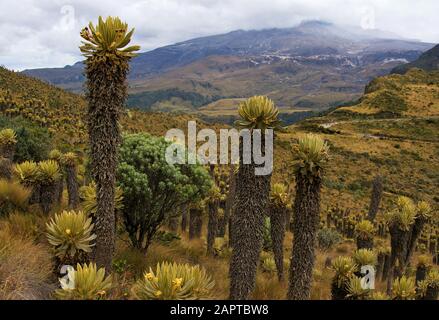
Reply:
x=194 y=252
x=25 y=267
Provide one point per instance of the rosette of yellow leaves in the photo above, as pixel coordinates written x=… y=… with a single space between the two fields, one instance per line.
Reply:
x=70 y=232
x=85 y=283
x=311 y=155
x=258 y=112
x=172 y=281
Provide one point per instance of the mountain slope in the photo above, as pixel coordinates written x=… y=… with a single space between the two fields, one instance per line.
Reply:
x=428 y=61
x=372 y=138
x=403 y=148
x=63 y=113
x=415 y=94
x=314 y=65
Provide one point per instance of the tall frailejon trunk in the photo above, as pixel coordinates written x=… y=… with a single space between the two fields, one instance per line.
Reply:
x=364 y=243
x=421 y=272
x=72 y=186
x=416 y=231
x=212 y=226
x=5 y=168
x=230 y=229
x=375 y=199
x=386 y=267
x=223 y=221
x=288 y=219
x=228 y=205
x=59 y=190
x=106 y=69
x=35 y=194
x=47 y=197
x=184 y=218
x=380 y=265
x=399 y=242
x=277 y=219
x=7 y=153
x=173 y=224
x=247 y=227
x=305 y=225
x=195 y=223
x=106 y=94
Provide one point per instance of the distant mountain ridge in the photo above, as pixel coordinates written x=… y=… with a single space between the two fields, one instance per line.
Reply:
x=428 y=61
x=314 y=65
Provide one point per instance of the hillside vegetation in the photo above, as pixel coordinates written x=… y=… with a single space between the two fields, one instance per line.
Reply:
x=392 y=132
x=63 y=114
x=428 y=61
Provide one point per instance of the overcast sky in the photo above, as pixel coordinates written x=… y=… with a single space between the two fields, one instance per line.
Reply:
x=45 y=33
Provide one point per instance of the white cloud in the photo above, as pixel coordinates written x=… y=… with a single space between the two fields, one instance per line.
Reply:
x=41 y=33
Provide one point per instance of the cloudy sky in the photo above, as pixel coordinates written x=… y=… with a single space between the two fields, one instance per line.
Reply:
x=45 y=33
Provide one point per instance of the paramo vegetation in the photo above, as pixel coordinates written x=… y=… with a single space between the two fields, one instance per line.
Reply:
x=84 y=183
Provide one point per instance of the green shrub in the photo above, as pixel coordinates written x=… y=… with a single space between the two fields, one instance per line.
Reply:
x=153 y=188
x=328 y=237
x=33 y=142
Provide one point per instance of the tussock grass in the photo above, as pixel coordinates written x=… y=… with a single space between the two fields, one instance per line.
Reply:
x=25 y=267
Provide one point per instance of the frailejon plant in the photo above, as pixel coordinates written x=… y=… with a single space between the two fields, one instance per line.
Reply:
x=106 y=68
x=377 y=295
x=26 y=173
x=87 y=282
x=428 y=289
x=311 y=155
x=344 y=268
x=47 y=177
x=365 y=257
x=375 y=199
x=278 y=212
x=364 y=232
x=269 y=265
x=196 y=211
x=172 y=281
x=422 y=267
x=87 y=194
x=404 y=288
x=355 y=290
x=70 y=233
x=405 y=222
x=251 y=199
x=423 y=213
x=8 y=140
x=69 y=160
